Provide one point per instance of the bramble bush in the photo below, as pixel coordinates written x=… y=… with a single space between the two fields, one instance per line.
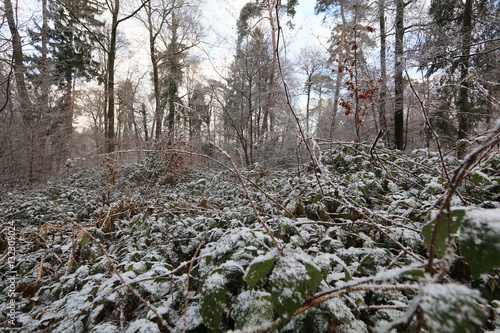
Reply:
x=346 y=248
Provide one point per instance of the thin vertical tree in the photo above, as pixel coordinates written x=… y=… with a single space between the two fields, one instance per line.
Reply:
x=383 y=66
x=114 y=8
x=18 y=62
x=399 y=123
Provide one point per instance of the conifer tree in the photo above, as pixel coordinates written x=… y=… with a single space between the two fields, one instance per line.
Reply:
x=462 y=43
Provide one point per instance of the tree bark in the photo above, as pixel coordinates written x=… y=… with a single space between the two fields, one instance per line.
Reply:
x=398 y=78
x=173 y=76
x=158 y=114
x=267 y=121
x=383 y=67
x=18 y=57
x=110 y=126
x=463 y=106
x=340 y=73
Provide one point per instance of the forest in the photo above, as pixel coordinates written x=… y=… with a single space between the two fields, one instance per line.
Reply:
x=250 y=166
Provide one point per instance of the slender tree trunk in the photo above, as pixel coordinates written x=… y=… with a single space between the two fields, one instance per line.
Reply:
x=158 y=113
x=173 y=76
x=463 y=106
x=18 y=57
x=308 y=102
x=110 y=127
x=44 y=106
x=268 y=118
x=144 y=122
x=250 y=126
x=340 y=74
x=383 y=67
x=398 y=78
x=45 y=70
x=68 y=117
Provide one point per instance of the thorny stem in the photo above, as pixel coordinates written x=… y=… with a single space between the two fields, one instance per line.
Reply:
x=290 y=107
x=460 y=174
x=431 y=128
x=330 y=294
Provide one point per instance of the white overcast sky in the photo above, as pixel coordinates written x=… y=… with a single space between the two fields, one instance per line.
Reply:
x=219 y=27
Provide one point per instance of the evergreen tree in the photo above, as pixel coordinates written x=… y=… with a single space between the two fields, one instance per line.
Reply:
x=70 y=32
x=461 y=42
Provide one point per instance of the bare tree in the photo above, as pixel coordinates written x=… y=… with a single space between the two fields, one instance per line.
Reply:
x=114 y=8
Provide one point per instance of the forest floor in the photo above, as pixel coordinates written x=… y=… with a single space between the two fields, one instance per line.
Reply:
x=338 y=245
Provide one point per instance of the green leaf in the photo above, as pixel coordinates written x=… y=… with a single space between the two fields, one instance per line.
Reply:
x=84 y=241
x=457 y=216
x=252 y=309
x=348 y=276
x=463 y=142
x=414 y=272
x=85 y=253
x=479 y=179
x=257 y=269
x=480 y=240
x=315 y=278
x=293 y=278
x=452 y=308
x=213 y=301
x=287 y=286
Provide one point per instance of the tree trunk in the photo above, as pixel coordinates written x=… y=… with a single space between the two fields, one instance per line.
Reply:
x=383 y=67
x=398 y=78
x=464 y=123
x=144 y=122
x=68 y=117
x=308 y=101
x=267 y=121
x=174 y=75
x=158 y=113
x=340 y=73
x=45 y=69
x=18 y=57
x=44 y=107
x=110 y=127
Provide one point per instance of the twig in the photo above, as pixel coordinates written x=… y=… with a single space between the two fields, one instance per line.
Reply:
x=429 y=125
x=249 y=198
x=115 y=270
x=337 y=292
x=373 y=153
x=457 y=179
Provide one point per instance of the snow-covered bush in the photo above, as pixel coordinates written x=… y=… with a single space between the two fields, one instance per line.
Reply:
x=340 y=249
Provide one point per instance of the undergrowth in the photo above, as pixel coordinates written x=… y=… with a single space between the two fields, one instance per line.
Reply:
x=338 y=246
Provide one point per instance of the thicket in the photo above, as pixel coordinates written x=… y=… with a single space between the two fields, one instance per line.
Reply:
x=365 y=239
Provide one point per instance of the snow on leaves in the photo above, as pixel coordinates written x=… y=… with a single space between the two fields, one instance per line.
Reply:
x=355 y=249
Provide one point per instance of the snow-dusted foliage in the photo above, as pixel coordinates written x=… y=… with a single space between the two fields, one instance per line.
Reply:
x=340 y=249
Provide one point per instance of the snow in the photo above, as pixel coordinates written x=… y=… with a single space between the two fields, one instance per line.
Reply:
x=159 y=241
x=142 y=326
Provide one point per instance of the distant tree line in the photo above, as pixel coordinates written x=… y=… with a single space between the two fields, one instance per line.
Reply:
x=67 y=63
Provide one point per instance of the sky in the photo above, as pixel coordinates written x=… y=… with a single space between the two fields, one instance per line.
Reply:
x=219 y=20
x=221 y=17
x=219 y=42
x=218 y=47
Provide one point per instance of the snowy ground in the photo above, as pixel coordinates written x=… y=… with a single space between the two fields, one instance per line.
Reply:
x=340 y=250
